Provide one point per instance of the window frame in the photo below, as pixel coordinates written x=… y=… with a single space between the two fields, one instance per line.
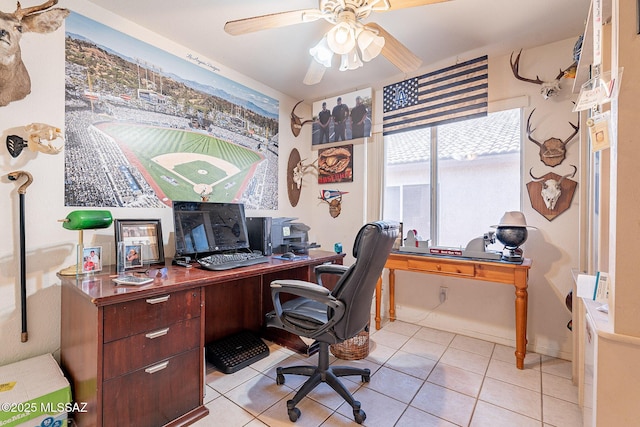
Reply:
x=517 y=103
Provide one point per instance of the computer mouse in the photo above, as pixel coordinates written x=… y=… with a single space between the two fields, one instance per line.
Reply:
x=288 y=255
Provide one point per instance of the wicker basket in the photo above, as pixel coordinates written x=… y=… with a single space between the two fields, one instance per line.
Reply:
x=354 y=348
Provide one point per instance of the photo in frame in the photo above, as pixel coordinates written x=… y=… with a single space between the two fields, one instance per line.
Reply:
x=342 y=118
x=91 y=259
x=143 y=235
x=133 y=256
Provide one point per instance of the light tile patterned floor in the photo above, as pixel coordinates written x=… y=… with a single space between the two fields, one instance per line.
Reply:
x=419 y=377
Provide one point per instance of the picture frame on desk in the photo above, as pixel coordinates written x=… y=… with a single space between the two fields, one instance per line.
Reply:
x=91 y=259
x=146 y=234
x=133 y=256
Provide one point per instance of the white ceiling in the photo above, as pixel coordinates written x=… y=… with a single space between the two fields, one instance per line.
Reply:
x=438 y=34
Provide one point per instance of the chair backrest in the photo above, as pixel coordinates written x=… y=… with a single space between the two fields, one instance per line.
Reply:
x=355 y=288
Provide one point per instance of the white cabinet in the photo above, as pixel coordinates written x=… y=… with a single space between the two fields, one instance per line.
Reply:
x=610 y=386
x=588 y=358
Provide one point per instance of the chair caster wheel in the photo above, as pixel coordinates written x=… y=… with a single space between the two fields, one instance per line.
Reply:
x=294 y=414
x=366 y=378
x=358 y=415
x=279 y=376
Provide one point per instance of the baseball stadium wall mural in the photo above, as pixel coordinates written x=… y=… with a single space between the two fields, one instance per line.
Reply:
x=145 y=127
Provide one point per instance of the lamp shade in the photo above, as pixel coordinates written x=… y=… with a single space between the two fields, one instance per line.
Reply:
x=322 y=53
x=342 y=38
x=350 y=61
x=370 y=44
x=84 y=220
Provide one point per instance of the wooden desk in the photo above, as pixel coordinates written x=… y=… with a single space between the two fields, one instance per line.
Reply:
x=498 y=272
x=135 y=355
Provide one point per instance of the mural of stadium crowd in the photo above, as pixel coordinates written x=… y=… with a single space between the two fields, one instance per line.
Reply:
x=145 y=127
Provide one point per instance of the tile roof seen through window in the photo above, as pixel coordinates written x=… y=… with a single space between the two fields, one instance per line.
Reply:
x=498 y=133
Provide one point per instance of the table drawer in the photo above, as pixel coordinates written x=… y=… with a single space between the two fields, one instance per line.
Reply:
x=155 y=395
x=149 y=314
x=134 y=352
x=435 y=266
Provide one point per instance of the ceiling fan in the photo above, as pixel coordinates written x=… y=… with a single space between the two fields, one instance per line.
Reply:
x=352 y=39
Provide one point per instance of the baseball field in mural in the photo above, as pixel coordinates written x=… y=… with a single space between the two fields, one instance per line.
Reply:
x=183 y=165
x=144 y=127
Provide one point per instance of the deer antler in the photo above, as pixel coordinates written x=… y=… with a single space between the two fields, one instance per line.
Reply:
x=21 y=13
x=515 y=68
x=296 y=121
x=576 y=128
x=530 y=131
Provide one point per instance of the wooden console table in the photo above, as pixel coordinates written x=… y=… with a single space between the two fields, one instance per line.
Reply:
x=488 y=271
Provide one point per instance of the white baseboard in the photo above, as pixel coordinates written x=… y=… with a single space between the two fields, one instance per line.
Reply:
x=468 y=327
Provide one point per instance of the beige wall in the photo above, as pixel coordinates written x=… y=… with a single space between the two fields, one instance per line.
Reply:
x=485 y=311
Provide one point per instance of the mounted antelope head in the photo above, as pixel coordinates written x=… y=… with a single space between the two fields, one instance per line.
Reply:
x=15 y=83
x=296 y=121
x=553 y=151
x=548 y=89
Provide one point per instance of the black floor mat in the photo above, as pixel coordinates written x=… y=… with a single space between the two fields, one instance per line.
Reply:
x=232 y=353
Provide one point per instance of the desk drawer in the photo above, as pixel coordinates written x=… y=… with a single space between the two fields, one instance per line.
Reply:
x=149 y=314
x=442 y=267
x=134 y=352
x=154 y=395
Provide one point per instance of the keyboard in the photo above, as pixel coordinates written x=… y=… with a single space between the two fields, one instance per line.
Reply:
x=217 y=262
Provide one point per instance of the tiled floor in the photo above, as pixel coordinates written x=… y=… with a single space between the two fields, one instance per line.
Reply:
x=419 y=377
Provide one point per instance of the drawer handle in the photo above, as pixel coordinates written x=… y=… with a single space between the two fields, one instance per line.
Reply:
x=158 y=300
x=156 y=368
x=156 y=334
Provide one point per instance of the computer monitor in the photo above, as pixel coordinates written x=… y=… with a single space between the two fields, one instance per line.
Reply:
x=204 y=228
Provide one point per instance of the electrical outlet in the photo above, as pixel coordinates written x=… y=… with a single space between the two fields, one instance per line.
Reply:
x=443 y=293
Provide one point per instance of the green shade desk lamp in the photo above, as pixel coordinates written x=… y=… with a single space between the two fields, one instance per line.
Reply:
x=83 y=220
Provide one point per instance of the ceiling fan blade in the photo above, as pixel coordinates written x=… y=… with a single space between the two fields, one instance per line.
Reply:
x=274 y=20
x=397 y=53
x=402 y=4
x=314 y=73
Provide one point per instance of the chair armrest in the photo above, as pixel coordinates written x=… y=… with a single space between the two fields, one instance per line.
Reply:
x=334 y=269
x=299 y=288
x=310 y=291
x=330 y=268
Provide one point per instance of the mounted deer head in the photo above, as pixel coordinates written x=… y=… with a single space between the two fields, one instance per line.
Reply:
x=296 y=121
x=548 y=89
x=15 y=83
x=553 y=151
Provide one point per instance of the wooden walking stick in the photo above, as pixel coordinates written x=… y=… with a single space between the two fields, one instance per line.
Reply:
x=22 y=190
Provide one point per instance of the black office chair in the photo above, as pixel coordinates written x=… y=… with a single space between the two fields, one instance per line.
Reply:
x=330 y=317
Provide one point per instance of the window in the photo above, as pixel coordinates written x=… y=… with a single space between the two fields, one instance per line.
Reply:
x=452 y=182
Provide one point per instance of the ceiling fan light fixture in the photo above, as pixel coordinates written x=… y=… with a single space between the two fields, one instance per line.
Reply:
x=322 y=53
x=350 y=61
x=342 y=38
x=370 y=44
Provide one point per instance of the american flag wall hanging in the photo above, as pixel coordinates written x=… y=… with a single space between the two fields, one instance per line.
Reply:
x=454 y=93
